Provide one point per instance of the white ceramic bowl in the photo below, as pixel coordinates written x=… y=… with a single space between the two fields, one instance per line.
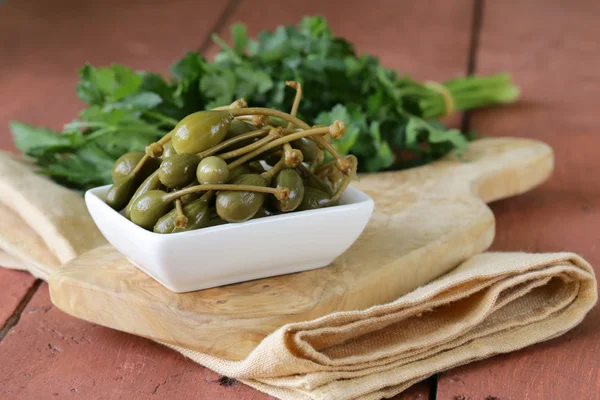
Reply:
x=238 y=252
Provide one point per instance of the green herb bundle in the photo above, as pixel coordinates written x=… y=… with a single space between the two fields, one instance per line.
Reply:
x=392 y=121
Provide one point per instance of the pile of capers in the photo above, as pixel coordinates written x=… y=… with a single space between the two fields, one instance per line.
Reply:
x=231 y=164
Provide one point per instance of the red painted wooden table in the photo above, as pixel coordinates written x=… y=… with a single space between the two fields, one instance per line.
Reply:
x=552 y=51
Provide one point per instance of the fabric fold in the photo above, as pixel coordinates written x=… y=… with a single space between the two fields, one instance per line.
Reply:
x=492 y=303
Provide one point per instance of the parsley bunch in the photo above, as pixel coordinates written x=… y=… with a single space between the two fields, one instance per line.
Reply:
x=391 y=119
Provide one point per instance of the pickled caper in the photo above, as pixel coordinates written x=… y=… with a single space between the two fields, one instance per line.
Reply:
x=120 y=193
x=239 y=170
x=314 y=198
x=212 y=170
x=238 y=127
x=200 y=131
x=309 y=149
x=265 y=211
x=256 y=166
x=168 y=150
x=289 y=178
x=178 y=170
x=149 y=208
x=215 y=222
x=127 y=163
x=152 y=182
x=311 y=180
x=239 y=206
x=196 y=212
x=188 y=198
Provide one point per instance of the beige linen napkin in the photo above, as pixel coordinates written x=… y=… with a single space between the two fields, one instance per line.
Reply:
x=492 y=303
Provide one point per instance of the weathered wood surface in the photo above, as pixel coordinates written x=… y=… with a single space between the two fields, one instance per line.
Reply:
x=549 y=47
x=37 y=86
x=554 y=57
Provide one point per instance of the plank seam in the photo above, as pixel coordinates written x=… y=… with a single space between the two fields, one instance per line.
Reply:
x=433 y=386
x=476 y=24
x=229 y=10
x=16 y=315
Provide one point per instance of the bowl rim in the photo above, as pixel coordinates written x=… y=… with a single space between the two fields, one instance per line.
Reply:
x=93 y=195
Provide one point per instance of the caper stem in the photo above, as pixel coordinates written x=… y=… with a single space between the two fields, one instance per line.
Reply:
x=318 y=160
x=290 y=118
x=278 y=142
x=207 y=196
x=239 y=103
x=293 y=157
x=270 y=174
x=248 y=148
x=139 y=165
x=233 y=140
x=156 y=149
x=340 y=191
x=296 y=104
x=271 y=113
x=280 y=193
x=181 y=220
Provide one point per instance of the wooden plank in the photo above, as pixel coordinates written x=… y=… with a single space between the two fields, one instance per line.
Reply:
x=53 y=355
x=44 y=43
x=14 y=286
x=385 y=28
x=559 y=106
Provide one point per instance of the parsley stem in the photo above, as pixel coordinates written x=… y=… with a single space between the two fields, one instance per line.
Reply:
x=96 y=134
x=163 y=118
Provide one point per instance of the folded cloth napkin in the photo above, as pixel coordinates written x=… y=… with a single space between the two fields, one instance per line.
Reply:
x=492 y=303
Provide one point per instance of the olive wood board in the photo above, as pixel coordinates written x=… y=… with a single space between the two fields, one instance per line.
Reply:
x=426 y=221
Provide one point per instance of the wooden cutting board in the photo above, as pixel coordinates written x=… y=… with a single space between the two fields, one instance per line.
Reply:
x=426 y=221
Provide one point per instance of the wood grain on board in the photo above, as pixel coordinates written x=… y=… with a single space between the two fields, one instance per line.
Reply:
x=554 y=58
x=399 y=250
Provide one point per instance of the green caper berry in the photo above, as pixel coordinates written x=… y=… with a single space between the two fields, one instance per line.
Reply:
x=212 y=170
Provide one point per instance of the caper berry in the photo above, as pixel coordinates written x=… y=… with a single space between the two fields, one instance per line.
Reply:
x=237 y=128
x=264 y=211
x=314 y=198
x=212 y=170
x=311 y=180
x=127 y=163
x=188 y=198
x=152 y=182
x=200 y=131
x=240 y=206
x=309 y=149
x=289 y=178
x=168 y=150
x=239 y=170
x=196 y=211
x=178 y=170
x=120 y=193
x=148 y=208
x=215 y=222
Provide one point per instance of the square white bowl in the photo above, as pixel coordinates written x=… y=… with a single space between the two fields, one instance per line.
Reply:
x=236 y=252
